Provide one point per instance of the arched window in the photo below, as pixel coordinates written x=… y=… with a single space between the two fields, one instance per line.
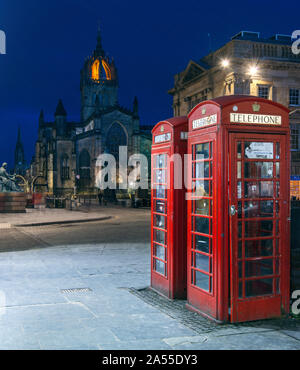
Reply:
x=64 y=167
x=84 y=164
x=116 y=137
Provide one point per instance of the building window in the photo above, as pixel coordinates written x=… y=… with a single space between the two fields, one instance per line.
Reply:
x=295 y=137
x=115 y=138
x=64 y=168
x=263 y=92
x=294 y=97
x=84 y=164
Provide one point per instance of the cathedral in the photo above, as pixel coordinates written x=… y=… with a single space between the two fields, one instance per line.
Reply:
x=66 y=152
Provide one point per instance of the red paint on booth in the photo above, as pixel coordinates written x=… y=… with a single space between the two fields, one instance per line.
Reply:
x=168 y=208
x=238 y=211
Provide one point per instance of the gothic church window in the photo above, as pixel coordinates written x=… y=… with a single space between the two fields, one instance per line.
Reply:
x=64 y=167
x=84 y=164
x=115 y=138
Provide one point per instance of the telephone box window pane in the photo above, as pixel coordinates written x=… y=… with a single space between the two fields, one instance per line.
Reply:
x=239 y=150
x=159 y=251
x=202 y=262
x=277 y=169
x=201 y=188
x=160 y=206
x=160 y=191
x=160 y=221
x=240 y=250
x=239 y=170
x=201 y=206
x=278 y=285
x=262 y=170
x=259 y=209
x=258 y=228
x=159 y=236
x=160 y=177
x=201 y=170
x=161 y=161
x=202 y=225
x=262 y=189
x=258 y=287
x=240 y=229
x=202 y=151
x=202 y=243
x=277 y=150
x=240 y=209
x=239 y=190
x=159 y=266
x=259 y=248
x=259 y=268
x=202 y=280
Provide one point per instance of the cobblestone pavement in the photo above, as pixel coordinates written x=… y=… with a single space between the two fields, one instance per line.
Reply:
x=84 y=286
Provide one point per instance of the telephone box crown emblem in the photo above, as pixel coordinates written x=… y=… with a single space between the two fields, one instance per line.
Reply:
x=162 y=129
x=256 y=107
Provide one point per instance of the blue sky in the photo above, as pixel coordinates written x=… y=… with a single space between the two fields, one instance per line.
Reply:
x=47 y=42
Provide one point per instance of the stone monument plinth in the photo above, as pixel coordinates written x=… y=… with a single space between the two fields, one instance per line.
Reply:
x=12 y=202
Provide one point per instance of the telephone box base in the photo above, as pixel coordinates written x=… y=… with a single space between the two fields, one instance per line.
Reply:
x=196 y=310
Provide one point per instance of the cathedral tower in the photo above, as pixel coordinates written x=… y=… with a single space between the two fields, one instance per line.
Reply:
x=98 y=78
x=20 y=163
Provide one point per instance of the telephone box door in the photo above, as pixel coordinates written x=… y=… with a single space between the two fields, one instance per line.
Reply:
x=258 y=212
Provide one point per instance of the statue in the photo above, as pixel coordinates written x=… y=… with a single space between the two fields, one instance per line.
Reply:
x=8 y=183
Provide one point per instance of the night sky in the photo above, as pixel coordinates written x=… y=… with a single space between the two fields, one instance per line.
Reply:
x=47 y=42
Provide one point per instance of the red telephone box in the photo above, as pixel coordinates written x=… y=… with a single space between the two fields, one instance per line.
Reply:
x=168 y=208
x=238 y=209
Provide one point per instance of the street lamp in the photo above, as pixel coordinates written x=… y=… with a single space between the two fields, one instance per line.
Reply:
x=225 y=63
x=253 y=70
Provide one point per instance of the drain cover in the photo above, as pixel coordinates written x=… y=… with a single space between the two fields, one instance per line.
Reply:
x=75 y=290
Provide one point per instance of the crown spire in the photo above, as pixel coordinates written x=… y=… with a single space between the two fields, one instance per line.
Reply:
x=99 y=49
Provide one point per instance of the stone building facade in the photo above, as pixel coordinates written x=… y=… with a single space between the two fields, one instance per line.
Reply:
x=66 y=152
x=251 y=65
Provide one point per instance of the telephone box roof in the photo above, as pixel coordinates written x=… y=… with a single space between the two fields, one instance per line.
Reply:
x=223 y=101
x=173 y=121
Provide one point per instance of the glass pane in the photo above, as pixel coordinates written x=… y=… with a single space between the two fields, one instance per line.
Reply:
x=159 y=221
x=201 y=243
x=202 y=262
x=258 y=228
x=239 y=150
x=160 y=206
x=262 y=189
x=240 y=209
x=239 y=170
x=277 y=150
x=277 y=169
x=262 y=208
x=202 y=225
x=159 y=266
x=202 y=280
x=160 y=176
x=201 y=170
x=160 y=191
x=201 y=188
x=259 y=248
x=201 y=206
x=159 y=236
x=259 y=267
x=258 y=287
x=259 y=150
x=159 y=251
x=161 y=161
x=239 y=190
x=202 y=151
x=262 y=170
